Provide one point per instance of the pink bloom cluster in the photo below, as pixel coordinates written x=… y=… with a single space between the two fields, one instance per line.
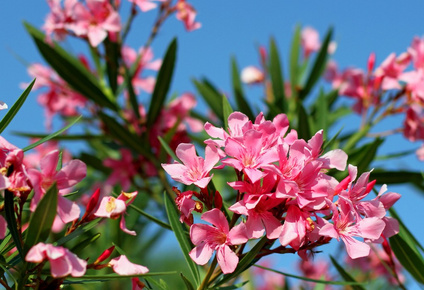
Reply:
x=57 y=97
x=283 y=190
x=95 y=20
x=392 y=78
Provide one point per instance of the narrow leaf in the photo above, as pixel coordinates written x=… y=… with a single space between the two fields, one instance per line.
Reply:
x=120 y=133
x=277 y=79
x=187 y=282
x=410 y=259
x=150 y=217
x=51 y=136
x=242 y=104
x=131 y=93
x=112 y=49
x=405 y=233
x=42 y=218
x=226 y=110
x=318 y=66
x=346 y=276
x=309 y=279
x=168 y=149
x=71 y=70
x=294 y=61
x=74 y=137
x=163 y=82
x=303 y=130
x=9 y=208
x=15 y=108
x=182 y=237
x=85 y=243
x=211 y=96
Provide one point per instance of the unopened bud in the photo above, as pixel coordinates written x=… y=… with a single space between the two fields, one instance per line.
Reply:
x=106 y=254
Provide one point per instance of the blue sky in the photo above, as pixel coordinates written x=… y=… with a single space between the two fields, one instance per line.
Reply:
x=237 y=27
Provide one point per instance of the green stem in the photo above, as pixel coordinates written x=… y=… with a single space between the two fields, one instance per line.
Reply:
x=205 y=281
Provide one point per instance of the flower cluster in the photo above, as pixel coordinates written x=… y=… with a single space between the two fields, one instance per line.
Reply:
x=402 y=87
x=96 y=20
x=283 y=190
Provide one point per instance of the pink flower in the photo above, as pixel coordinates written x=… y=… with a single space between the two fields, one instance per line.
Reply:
x=123 y=169
x=252 y=75
x=417 y=52
x=3 y=105
x=11 y=164
x=195 y=169
x=130 y=57
x=113 y=208
x=62 y=261
x=309 y=41
x=345 y=226
x=186 y=13
x=57 y=97
x=391 y=69
x=122 y=266
x=217 y=238
x=295 y=228
x=259 y=217
x=145 y=5
x=3 y=227
x=65 y=179
x=414 y=123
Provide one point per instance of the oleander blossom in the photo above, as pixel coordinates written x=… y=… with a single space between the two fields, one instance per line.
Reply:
x=217 y=238
x=284 y=191
x=194 y=170
x=62 y=261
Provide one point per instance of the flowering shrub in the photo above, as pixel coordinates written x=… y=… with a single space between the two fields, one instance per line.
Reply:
x=271 y=182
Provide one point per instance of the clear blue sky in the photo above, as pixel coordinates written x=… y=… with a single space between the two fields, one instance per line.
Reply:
x=236 y=27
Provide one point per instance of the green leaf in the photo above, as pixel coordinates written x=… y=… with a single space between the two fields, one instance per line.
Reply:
x=245 y=262
x=187 y=282
x=304 y=129
x=309 y=279
x=78 y=232
x=321 y=118
x=163 y=82
x=409 y=257
x=318 y=66
x=364 y=155
x=150 y=217
x=211 y=96
x=71 y=70
x=51 y=136
x=112 y=50
x=42 y=219
x=294 y=62
x=346 y=276
x=397 y=177
x=242 y=104
x=74 y=137
x=15 y=108
x=405 y=233
x=121 y=134
x=114 y=276
x=226 y=110
x=131 y=93
x=182 y=237
x=233 y=287
x=9 y=208
x=277 y=79
x=77 y=249
x=168 y=149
